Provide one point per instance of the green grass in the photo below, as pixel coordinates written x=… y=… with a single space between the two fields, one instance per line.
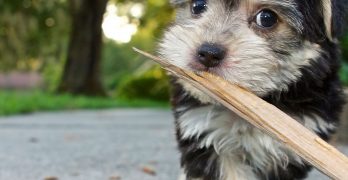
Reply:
x=19 y=102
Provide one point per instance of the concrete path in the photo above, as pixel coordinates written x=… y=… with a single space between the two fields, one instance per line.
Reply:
x=90 y=145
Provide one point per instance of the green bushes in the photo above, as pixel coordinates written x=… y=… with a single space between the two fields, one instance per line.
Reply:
x=344 y=73
x=153 y=84
x=344 y=69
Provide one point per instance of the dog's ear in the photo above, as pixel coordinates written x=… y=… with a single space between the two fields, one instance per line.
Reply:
x=326 y=8
x=334 y=13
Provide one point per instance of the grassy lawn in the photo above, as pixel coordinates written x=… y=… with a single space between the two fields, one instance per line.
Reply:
x=19 y=102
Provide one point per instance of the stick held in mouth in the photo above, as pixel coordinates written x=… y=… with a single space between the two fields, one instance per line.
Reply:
x=266 y=117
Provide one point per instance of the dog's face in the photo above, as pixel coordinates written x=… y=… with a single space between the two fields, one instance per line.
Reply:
x=257 y=44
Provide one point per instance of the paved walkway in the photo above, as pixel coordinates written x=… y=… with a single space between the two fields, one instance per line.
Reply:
x=90 y=145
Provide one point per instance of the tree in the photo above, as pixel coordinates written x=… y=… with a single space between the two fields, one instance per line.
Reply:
x=81 y=73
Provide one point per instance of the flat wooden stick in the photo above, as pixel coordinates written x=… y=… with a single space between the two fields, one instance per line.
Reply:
x=266 y=117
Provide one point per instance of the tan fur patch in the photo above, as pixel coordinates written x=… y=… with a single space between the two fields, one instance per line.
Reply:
x=327 y=14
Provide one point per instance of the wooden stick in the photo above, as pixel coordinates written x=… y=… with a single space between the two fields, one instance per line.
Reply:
x=266 y=117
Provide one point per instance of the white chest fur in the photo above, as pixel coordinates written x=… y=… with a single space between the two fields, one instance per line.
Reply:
x=241 y=147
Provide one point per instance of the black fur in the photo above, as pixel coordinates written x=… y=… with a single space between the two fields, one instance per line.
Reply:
x=198 y=161
x=318 y=91
x=293 y=171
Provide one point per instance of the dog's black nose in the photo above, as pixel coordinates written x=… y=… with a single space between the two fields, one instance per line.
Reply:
x=210 y=55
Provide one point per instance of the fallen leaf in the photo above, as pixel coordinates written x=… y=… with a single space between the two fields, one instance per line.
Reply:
x=51 y=178
x=149 y=170
x=115 y=178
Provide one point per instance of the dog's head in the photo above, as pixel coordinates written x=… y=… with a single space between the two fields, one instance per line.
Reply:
x=261 y=45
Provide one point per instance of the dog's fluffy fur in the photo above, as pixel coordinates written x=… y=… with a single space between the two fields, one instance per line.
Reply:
x=293 y=66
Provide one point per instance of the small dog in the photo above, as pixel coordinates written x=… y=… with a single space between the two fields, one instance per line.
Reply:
x=285 y=51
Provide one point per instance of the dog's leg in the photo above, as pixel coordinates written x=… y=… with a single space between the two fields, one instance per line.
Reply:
x=183 y=176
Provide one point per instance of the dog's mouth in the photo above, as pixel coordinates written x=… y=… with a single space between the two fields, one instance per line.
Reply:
x=197 y=67
x=221 y=71
x=216 y=71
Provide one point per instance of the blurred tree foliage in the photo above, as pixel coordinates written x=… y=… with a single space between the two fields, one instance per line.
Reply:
x=33 y=33
x=120 y=59
x=148 y=81
x=344 y=70
x=152 y=84
x=344 y=46
x=34 y=36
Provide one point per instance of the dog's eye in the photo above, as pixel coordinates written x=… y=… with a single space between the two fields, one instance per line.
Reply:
x=198 y=6
x=266 y=19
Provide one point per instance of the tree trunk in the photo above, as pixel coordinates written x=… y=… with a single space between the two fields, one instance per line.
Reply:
x=82 y=68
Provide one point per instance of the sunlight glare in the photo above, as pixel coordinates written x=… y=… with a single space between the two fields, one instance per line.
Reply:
x=117 y=28
x=137 y=10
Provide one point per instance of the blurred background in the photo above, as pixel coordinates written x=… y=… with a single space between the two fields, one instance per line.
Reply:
x=77 y=54
x=60 y=54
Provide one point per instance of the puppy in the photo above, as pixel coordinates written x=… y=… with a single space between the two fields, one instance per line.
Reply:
x=284 y=51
